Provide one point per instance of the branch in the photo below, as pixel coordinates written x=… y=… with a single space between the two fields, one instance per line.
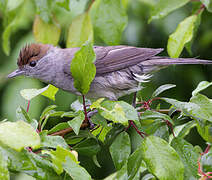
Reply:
x=67 y=130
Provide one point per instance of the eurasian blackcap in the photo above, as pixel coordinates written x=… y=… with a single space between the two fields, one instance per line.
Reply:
x=119 y=69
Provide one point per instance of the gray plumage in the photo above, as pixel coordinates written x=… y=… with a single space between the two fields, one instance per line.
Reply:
x=119 y=69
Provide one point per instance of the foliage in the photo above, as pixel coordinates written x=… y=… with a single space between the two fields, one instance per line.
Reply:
x=121 y=141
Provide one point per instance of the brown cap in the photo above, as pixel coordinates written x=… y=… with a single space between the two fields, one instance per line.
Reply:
x=32 y=52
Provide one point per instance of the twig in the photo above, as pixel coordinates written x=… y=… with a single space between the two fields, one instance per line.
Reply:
x=202 y=7
x=90 y=5
x=67 y=130
x=85 y=110
x=28 y=106
x=131 y=123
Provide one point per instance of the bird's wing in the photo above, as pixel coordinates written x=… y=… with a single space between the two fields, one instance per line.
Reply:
x=113 y=58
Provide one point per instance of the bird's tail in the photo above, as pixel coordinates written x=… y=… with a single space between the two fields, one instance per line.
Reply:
x=165 y=61
x=156 y=63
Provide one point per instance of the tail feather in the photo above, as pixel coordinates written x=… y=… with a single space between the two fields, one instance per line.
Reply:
x=165 y=61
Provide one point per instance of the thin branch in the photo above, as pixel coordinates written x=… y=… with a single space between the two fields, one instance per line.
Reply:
x=67 y=130
x=28 y=106
x=85 y=110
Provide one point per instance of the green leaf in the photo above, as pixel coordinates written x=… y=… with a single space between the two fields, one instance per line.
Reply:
x=29 y=163
x=48 y=91
x=46 y=33
x=162 y=89
x=184 y=129
x=201 y=86
x=69 y=114
x=88 y=147
x=21 y=114
x=188 y=156
x=4 y=173
x=118 y=111
x=58 y=127
x=205 y=105
x=94 y=158
x=76 y=122
x=75 y=171
x=44 y=169
x=109 y=19
x=80 y=31
x=134 y=163
x=101 y=132
x=17 y=161
x=208 y=4
x=98 y=119
x=63 y=3
x=164 y=7
x=115 y=113
x=59 y=156
x=18 y=135
x=120 y=150
x=149 y=177
x=47 y=111
x=74 y=139
x=52 y=141
x=199 y=108
x=161 y=159
x=83 y=69
x=150 y=3
x=122 y=173
x=97 y=104
x=148 y=114
x=162 y=132
x=181 y=36
x=196 y=9
x=113 y=133
x=43 y=8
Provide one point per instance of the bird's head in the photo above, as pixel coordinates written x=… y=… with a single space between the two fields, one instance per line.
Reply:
x=32 y=61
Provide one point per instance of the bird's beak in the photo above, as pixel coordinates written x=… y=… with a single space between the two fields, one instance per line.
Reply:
x=15 y=73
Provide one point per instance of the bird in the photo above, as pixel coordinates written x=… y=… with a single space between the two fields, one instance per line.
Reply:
x=120 y=70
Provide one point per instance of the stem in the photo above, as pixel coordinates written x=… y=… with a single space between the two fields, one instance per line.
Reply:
x=207 y=149
x=90 y=5
x=137 y=130
x=28 y=106
x=67 y=130
x=202 y=7
x=170 y=126
x=85 y=110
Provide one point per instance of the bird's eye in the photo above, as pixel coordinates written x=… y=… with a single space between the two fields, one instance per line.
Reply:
x=32 y=63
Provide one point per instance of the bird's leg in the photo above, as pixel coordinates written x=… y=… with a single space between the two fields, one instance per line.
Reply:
x=134 y=100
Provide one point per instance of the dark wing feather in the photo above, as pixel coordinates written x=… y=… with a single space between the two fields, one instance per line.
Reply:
x=113 y=58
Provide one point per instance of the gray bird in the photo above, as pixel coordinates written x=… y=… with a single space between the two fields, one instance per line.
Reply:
x=119 y=69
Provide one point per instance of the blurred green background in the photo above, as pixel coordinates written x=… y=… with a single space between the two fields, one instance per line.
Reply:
x=137 y=33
